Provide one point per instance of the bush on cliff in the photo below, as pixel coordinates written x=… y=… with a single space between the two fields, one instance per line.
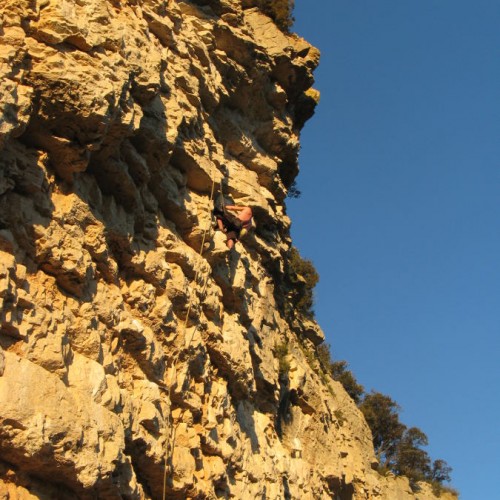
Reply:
x=302 y=278
x=293 y=191
x=281 y=352
x=399 y=449
x=338 y=371
x=280 y=11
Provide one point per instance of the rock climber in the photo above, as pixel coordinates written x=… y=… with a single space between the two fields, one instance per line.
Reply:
x=231 y=224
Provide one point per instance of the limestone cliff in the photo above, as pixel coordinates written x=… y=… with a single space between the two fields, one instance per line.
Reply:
x=135 y=361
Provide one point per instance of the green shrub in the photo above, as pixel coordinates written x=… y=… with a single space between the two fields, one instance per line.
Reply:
x=281 y=352
x=301 y=277
x=324 y=356
x=339 y=372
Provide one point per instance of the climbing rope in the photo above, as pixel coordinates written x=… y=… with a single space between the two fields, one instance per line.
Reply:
x=171 y=438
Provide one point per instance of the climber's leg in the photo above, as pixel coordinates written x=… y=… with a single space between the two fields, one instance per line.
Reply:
x=231 y=238
x=220 y=225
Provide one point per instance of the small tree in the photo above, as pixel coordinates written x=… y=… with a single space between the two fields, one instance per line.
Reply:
x=441 y=471
x=399 y=448
x=382 y=416
x=411 y=460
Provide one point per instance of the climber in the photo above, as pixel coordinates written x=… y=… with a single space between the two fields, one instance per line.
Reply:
x=231 y=224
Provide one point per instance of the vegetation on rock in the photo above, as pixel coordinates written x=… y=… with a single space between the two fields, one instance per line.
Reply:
x=339 y=372
x=293 y=191
x=280 y=11
x=281 y=353
x=399 y=448
x=302 y=278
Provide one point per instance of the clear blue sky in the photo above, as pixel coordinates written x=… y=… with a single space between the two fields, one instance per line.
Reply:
x=399 y=212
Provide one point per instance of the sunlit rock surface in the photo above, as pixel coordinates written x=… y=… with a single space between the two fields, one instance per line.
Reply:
x=134 y=362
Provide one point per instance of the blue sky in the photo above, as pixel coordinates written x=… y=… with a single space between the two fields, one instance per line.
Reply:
x=399 y=212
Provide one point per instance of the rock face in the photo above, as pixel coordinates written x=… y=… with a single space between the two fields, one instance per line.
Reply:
x=135 y=361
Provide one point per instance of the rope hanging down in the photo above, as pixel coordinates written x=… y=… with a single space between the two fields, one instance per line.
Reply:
x=171 y=438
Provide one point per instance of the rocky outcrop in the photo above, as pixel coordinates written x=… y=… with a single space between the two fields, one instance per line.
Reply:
x=135 y=361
